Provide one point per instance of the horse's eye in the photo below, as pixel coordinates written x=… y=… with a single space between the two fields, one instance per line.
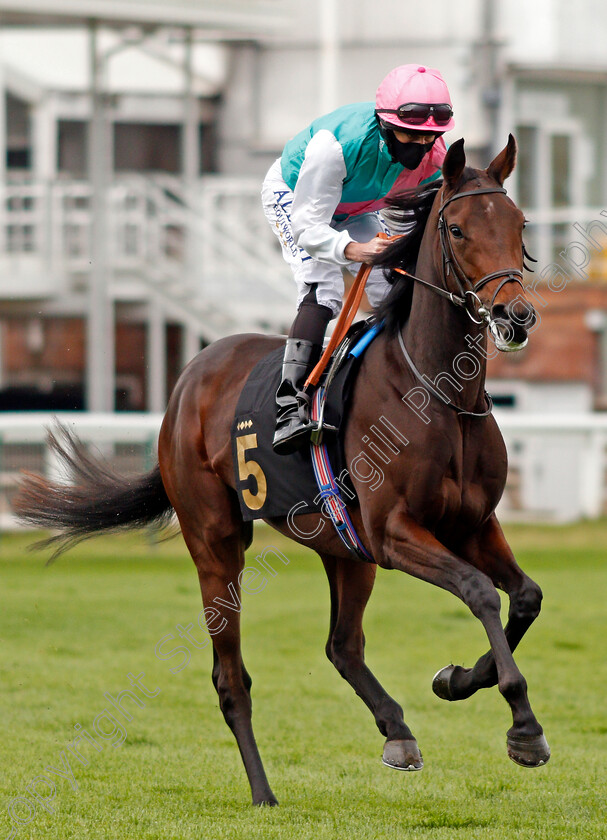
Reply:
x=456 y=231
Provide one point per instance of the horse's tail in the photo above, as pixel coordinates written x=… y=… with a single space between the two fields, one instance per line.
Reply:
x=96 y=500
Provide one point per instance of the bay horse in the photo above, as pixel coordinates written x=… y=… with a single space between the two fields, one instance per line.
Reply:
x=443 y=472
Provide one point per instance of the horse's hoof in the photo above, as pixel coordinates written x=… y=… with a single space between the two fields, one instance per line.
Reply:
x=440 y=683
x=528 y=751
x=266 y=802
x=402 y=755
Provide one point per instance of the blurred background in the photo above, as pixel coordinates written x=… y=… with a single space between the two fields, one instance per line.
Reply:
x=136 y=135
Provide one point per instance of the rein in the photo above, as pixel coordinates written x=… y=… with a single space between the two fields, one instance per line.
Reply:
x=510 y=275
x=346 y=317
x=435 y=392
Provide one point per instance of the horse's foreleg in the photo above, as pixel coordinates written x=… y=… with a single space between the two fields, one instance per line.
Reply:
x=351 y=584
x=490 y=552
x=411 y=548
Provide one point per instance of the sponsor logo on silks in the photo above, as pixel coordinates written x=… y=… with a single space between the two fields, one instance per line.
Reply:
x=283 y=223
x=280 y=194
x=244 y=424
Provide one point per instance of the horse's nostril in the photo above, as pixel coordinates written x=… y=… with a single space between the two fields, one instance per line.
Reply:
x=524 y=315
x=499 y=312
x=519 y=314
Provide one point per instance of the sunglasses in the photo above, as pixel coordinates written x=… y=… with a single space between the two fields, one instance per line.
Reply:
x=417 y=113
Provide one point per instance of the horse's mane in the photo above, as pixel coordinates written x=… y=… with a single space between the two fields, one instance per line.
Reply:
x=409 y=211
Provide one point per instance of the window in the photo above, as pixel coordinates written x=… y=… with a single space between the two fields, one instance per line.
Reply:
x=18 y=139
x=147 y=148
x=71 y=147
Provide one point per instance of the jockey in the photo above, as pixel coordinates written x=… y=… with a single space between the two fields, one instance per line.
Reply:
x=322 y=199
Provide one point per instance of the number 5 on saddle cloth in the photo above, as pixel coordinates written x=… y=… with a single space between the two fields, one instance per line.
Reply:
x=275 y=486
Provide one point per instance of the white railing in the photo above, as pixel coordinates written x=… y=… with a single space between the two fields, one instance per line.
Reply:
x=206 y=247
x=127 y=441
x=231 y=247
x=558 y=463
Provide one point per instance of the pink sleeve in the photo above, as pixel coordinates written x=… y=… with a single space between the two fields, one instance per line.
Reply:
x=437 y=155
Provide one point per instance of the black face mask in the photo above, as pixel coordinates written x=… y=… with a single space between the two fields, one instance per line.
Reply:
x=408 y=155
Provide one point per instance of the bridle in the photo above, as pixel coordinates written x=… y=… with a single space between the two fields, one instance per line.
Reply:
x=468 y=289
x=468 y=298
x=510 y=275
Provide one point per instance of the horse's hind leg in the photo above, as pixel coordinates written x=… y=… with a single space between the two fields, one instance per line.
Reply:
x=215 y=535
x=233 y=685
x=351 y=584
x=490 y=552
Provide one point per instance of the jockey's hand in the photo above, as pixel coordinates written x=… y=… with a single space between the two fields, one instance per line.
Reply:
x=363 y=252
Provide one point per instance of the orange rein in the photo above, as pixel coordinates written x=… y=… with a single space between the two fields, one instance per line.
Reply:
x=344 y=322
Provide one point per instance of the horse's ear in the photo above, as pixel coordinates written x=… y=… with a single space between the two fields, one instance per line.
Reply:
x=454 y=163
x=504 y=163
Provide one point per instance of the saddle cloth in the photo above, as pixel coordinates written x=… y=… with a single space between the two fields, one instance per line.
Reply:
x=270 y=485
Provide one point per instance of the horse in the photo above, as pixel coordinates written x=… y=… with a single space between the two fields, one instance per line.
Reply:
x=433 y=513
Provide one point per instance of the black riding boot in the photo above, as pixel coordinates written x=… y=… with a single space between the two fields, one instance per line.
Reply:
x=302 y=351
x=293 y=425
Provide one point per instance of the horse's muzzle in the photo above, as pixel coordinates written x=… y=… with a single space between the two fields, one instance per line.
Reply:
x=510 y=324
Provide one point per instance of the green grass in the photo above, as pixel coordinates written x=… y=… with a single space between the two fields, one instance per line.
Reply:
x=73 y=631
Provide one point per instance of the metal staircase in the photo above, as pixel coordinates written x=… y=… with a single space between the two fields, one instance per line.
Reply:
x=206 y=255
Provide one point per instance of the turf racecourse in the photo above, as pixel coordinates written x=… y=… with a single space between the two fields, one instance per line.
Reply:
x=72 y=632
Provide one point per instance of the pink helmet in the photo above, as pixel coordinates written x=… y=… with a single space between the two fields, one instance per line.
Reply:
x=416 y=97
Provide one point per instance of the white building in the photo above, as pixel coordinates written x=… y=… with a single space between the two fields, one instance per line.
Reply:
x=184 y=127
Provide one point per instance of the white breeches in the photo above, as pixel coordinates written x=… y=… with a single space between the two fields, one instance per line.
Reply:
x=277 y=199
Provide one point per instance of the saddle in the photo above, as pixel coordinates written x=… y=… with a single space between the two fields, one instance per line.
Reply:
x=270 y=485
